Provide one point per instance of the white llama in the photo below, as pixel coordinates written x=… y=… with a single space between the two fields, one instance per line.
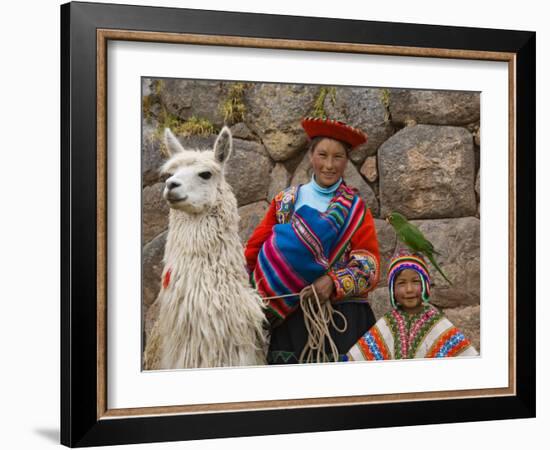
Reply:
x=209 y=316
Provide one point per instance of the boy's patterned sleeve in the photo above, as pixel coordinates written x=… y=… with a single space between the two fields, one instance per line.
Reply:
x=258 y=237
x=362 y=272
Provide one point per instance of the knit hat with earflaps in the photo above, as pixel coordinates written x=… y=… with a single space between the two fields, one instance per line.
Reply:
x=405 y=259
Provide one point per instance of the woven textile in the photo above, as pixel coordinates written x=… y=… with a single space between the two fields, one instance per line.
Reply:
x=300 y=251
x=397 y=335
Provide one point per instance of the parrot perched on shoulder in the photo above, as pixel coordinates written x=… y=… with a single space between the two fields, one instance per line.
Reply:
x=413 y=238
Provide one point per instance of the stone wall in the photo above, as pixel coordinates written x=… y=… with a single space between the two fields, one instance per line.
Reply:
x=421 y=159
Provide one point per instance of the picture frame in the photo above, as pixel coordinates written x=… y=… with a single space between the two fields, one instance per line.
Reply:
x=86 y=418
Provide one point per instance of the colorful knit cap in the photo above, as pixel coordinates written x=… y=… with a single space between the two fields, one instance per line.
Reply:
x=402 y=260
x=334 y=129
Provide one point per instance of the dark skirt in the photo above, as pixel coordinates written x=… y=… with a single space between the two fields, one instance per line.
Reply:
x=289 y=338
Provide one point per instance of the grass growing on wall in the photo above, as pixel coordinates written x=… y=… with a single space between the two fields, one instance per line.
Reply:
x=319 y=105
x=385 y=99
x=233 y=107
x=196 y=126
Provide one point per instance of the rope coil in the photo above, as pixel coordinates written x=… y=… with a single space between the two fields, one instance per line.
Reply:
x=317 y=319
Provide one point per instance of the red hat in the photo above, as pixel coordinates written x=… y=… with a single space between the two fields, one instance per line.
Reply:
x=316 y=126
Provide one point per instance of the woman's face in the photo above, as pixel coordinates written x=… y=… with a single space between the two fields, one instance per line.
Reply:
x=328 y=160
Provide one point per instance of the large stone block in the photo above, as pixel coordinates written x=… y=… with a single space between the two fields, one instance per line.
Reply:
x=363 y=108
x=248 y=171
x=146 y=86
x=280 y=179
x=428 y=172
x=150 y=316
x=434 y=107
x=274 y=112
x=152 y=157
x=467 y=320
x=250 y=217
x=478 y=193
x=152 y=266
x=369 y=169
x=187 y=98
x=241 y=131
x=458 y=242
x=155 y=212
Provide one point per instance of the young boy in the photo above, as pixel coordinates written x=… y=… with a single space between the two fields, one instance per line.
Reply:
x=413 y=328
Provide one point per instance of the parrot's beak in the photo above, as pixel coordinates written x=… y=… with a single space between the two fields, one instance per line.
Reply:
x=388 y=219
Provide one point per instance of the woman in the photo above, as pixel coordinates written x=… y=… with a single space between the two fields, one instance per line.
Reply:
x=317 y=240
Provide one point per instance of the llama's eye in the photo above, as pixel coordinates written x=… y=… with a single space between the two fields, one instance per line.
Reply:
x=205 y=175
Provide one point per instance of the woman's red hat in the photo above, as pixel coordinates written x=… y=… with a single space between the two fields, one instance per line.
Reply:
x=334 y=129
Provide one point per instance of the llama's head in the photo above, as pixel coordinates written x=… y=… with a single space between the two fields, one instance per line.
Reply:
x=193 y=177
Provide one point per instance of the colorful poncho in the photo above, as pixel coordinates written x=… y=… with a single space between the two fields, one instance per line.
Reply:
x=299 y=252
x=397 y=335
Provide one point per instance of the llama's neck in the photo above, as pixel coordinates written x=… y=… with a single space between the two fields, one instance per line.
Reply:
x=206 y=235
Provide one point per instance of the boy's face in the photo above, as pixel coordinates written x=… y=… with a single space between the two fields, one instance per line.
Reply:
x=407 y=290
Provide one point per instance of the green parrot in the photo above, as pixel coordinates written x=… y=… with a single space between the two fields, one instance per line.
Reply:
x=413 y=238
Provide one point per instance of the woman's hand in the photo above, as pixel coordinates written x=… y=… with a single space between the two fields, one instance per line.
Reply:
x=324 y=286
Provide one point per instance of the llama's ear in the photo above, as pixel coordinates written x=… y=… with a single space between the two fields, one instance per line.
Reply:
x=223 y=146
x=172 y=144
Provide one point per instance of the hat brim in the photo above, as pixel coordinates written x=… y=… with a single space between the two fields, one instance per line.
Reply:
x=334 y=129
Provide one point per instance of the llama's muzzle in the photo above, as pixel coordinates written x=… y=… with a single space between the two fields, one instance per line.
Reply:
x=176 y=198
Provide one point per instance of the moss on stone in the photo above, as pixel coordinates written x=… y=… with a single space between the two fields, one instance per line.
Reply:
x=233 y=107
x=146 y=105
x=158 y=86
x=149 y=102
x=165 y=119
x=319 y=105
x=195 y=126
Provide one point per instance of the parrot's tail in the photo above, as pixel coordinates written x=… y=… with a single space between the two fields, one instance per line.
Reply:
x=433 y=261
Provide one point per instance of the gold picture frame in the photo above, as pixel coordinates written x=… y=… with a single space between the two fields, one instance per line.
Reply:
x=86 y=416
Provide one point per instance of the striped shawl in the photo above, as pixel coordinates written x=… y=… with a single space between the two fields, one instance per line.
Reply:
x=300 y=251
